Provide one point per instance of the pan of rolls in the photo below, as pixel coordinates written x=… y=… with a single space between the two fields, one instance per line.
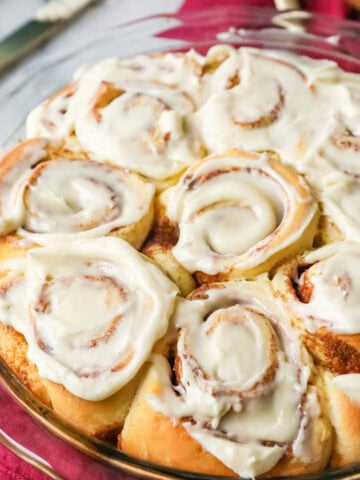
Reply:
x=179 y=246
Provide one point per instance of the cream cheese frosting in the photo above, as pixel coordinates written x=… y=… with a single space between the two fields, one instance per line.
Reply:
x=153 y=96
x=245 y=410
x=334 y=303
x=90 y=311
x=50 y=201
x=306 y=110
x=255 y=96
x=175 y=107
x=235 y=211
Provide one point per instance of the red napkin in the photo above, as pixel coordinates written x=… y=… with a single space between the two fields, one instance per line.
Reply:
x=72 y=464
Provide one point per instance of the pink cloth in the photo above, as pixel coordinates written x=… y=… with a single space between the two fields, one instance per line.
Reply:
x=68 y=462
x=335 y=8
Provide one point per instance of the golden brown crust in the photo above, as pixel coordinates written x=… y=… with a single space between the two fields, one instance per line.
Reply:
x=151 y=436
x=13 y=350
x=67 y=91
x=328 y=232
x=158 y=247
x=102 y=419
x=12 y=246
x=289 y=466
x=345 y=418
x=339 y=353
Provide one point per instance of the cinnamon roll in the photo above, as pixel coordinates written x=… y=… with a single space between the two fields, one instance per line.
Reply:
x=13 y=348
x=234 y=215
x=87 y=315
x=239 y=413
x=254 y=154
x=51 y=119
x=320 y=292
x=133 y=113
x=256 y=100
x=333 y=169
x=340 y=204
x=49 y=195
x=334 y=174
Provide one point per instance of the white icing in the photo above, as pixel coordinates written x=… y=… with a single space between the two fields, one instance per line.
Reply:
x=147 y=125
x=50 y=201
x=305 y=109
x=239 y=329
x=321 y=104
x=150 y=138
x=90 y=311
x=334 y=173
x=335 y=298
x=237 y=400
x=56 y=10
x=349 y=385
x=50 y=118
x=302 y=447
x=248 y=460
x=236 y=216
x=272 y=90
x=11 y=207
x=341 y=202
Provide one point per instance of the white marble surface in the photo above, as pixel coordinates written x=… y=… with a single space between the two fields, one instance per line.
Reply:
x=79 y=35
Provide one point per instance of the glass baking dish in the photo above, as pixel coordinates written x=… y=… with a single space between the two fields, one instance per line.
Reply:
x=315 y=36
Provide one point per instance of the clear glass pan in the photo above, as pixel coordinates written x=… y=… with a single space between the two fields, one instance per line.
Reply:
x=315 y=36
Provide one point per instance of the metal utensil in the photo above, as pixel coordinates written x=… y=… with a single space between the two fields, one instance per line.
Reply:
x=31 y=35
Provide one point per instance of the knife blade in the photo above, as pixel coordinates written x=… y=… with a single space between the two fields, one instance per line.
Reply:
x=25 y=39
x=36 y=31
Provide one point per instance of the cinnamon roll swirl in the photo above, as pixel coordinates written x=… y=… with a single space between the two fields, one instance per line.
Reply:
x=89 y=314
x=252 y=97
x=133 y=113
x=320 y=291
x=234 y=215
x=242 y=414
x=48 y=195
